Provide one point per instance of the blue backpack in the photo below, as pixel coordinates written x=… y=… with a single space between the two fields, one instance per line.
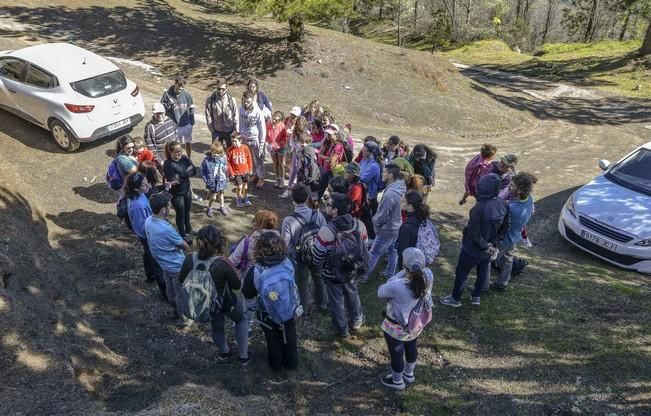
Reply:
x=277 y=291
x=114 y=178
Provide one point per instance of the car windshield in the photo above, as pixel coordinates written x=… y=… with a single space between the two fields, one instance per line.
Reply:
x=634 y=172
x=101 y=85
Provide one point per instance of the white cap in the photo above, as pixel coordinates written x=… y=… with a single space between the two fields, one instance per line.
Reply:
x=157 y=108
x=296 y=110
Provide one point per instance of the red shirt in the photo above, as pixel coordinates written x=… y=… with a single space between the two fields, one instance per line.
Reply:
x=145 y=154
x=276 y=135
x=356 y=194
x=239 y=160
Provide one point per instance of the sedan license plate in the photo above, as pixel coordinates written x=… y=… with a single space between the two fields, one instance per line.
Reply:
x=598 y=240
x=118 y=124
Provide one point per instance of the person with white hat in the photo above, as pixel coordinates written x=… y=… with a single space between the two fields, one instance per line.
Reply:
x=405 y=293
x=159 y=131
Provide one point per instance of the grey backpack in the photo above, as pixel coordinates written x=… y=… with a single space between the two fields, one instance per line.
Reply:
x=198 y=296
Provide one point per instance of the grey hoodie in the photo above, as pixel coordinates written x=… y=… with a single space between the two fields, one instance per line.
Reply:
x=387 y=220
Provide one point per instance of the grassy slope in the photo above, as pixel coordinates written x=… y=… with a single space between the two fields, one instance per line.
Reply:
x=609 y=66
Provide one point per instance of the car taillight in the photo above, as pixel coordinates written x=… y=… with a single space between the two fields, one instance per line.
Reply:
x=74 y=108
x=135 y=92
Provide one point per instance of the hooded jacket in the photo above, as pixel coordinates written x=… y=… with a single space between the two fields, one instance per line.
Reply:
x=222 y=113
x=179 y=107
x=325 y=240
x=489 y=219
x=388 y=218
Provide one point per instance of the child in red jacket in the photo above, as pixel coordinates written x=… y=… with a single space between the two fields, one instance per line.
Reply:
x=277 y=145
x=140 y=150
x=240 y=167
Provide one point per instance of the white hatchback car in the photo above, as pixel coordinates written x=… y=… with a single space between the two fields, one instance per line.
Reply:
x=75 y=94
x=610 y=217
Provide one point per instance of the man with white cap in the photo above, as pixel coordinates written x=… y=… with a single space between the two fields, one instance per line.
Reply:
x=158 y=131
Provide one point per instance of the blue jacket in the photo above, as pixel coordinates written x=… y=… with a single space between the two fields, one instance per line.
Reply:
x=520 y=212
x=214 y=170
x=371 y=175
x=489 y=219
x=139 y=210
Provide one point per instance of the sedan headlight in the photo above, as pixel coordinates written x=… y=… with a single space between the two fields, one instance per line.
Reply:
x=569 y=205
x=644 y=243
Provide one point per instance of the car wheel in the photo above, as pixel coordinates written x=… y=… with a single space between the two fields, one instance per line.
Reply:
x=63 y=137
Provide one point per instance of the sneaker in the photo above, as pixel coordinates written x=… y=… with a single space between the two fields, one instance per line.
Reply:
x=527 y=243
x=239 y=203
x=247 y=360
x=449 y=301
x=497 y=287
x=388 y=382
x=475 y=300
x=357 y=326
x=247 y=202
x=286 y=194
x=225 y=356
x=483 y=291
x=223 y=211
x=209 y=212
x=408 y=378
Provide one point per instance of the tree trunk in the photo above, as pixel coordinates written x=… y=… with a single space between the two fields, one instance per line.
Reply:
x=468 y=8
x=622 y=34
x=590 y=28
x=646 y=45
x=549 y=18
x=415 y=12
x=296 y=28
x=381 y=9
x=399 y=15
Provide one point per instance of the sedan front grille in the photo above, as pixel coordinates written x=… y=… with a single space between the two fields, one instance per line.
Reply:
x=604 y=230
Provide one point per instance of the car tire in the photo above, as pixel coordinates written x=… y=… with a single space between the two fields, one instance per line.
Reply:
x=63 y=137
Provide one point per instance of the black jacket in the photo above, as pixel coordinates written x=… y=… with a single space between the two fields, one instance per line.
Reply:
x=407 y=235
x=489 y=218
x=178 y=171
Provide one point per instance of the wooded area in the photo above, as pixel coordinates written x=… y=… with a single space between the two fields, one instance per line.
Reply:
x=523 y=24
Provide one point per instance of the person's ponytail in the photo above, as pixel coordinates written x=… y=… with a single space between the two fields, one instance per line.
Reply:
x=417 y=283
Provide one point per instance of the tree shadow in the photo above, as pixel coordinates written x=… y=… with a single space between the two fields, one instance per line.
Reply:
x=171 y=40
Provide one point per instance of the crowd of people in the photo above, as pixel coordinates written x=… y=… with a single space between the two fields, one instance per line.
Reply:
x=350 y=211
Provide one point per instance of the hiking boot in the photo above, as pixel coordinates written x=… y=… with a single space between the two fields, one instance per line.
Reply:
x=449 y=301
x=246 y=360
x=408 y=378
x=239 y=203
x=388 y=382
x=247 y=202
x=225 y=356
x=209 y=212
x=475 y=300
x=223 y=211
x=286 y=194
x=497 y=287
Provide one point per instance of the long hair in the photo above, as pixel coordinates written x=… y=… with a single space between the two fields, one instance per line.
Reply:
x=265 y=220
x=210 y=242
x=122 y=141
x=417 y=283
x=149 y=169
x=415 y=199
x=169 y=148
x=132 y=183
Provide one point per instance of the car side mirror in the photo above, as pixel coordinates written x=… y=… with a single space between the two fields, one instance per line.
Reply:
x=604 y=164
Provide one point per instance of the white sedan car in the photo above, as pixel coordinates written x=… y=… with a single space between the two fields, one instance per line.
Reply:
x=610 y=217
x=75 y=94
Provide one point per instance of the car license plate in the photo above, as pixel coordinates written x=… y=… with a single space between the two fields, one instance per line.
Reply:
x=598 y=240
x=118 y=124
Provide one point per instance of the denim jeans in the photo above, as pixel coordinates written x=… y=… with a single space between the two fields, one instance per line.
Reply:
x=401 y=351
x=172 y=286
x=303 y=272
x=384 y=243
x=258 y=160
x=464 y=265
x=345 y=305
x=237 y=315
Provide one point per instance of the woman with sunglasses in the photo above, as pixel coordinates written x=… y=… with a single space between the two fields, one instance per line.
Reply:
x=137 y=187
x=124 y=156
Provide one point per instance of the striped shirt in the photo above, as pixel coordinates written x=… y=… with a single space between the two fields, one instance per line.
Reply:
x=324 y=244
x=157 y=135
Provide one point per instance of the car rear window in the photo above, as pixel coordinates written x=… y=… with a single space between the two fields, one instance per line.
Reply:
x=101 y=85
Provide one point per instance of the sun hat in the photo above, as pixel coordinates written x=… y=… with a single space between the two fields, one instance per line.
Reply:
x=509 y=160
x=157 y=108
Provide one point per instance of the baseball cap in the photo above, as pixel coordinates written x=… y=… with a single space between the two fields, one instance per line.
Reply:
x=157 y=108
x=296 y=110
x=509 y=159
x=353 y=168
x=413 y=259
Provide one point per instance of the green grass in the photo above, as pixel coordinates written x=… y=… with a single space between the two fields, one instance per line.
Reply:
x=609 y=66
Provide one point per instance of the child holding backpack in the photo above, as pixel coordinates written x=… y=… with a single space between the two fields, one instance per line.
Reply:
x=207 y=268
x=408 y=311
x=272 y=283
x=214 y=170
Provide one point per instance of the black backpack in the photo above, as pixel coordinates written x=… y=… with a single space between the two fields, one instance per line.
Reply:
x=306 y=236
x=349 y=259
